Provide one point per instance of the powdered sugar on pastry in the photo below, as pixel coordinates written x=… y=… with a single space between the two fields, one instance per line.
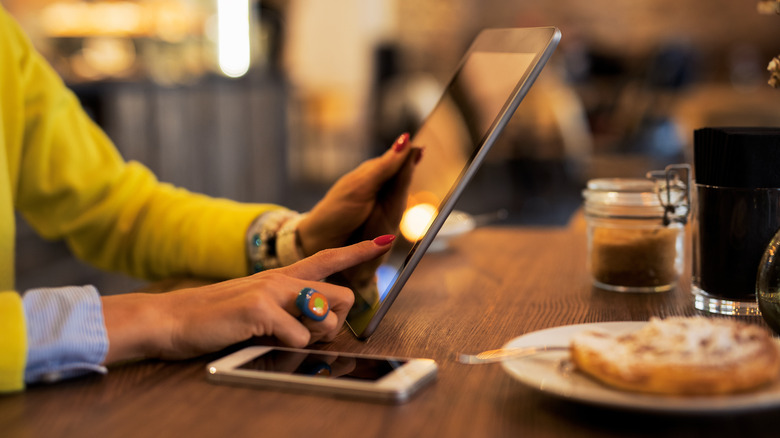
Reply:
x=680 y=355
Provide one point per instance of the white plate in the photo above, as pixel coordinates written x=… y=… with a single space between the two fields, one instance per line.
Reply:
x=457 y=223
x=553 y=374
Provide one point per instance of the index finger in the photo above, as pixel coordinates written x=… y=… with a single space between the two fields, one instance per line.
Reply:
x=330 y=261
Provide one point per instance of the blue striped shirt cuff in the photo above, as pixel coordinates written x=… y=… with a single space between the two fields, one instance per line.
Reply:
x=66 y=334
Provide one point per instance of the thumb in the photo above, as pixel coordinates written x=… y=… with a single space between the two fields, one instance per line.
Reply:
x=330 y=261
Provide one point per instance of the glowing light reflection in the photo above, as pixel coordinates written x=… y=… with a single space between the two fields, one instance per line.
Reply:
x=233 y=37
x=416 y=221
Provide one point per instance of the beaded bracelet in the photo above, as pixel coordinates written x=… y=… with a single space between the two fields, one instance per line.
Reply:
x=271 y=240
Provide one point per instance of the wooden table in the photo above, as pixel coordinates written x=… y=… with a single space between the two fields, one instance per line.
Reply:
x=489 y=287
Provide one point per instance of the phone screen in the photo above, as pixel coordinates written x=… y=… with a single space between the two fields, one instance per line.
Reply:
x=322 y=365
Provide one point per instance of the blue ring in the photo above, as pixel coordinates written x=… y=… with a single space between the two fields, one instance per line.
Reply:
x=303 y=302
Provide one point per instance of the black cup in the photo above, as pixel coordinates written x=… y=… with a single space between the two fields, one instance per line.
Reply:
x=737 y=212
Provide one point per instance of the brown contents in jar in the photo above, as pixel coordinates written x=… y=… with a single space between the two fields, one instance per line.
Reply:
x=634 y=257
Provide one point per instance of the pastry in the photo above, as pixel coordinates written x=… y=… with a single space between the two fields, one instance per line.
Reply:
x=680 y=356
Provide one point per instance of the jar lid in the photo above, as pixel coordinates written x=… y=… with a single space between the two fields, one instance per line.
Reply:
x=623 y=192
x=664 y=194
x=737 y=157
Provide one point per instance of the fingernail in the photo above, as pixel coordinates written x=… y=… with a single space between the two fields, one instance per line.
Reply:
x=401 y=142
x=384 y=240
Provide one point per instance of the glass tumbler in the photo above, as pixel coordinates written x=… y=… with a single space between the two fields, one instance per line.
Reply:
x=736 y=215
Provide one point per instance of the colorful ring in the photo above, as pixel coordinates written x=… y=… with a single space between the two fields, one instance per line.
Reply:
x=312 y=304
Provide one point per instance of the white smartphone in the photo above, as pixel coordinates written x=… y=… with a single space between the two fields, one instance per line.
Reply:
x=353 y=375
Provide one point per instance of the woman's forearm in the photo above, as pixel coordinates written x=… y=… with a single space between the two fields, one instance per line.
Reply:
x=134 y=325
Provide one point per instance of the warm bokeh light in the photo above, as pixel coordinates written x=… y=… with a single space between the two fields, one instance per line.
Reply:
x=416 y=220
x=104 y=56
x=80 y=19
x=233 y=37
x=423 y=197
x=168 y=20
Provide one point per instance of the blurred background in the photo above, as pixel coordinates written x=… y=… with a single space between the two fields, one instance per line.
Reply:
x=273 y=100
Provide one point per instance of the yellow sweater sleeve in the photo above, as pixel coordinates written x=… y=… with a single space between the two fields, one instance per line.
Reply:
x=71 y=183
x=13 y=342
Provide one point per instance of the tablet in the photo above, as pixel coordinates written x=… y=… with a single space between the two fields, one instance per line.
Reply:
x=492 y=78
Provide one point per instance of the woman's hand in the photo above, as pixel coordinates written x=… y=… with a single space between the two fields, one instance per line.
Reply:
x=190 y=322
x=362 y=200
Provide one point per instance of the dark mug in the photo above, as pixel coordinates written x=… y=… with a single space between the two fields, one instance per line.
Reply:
x=736 y=214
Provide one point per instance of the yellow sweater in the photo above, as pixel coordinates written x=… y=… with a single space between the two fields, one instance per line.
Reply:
x=69 y=182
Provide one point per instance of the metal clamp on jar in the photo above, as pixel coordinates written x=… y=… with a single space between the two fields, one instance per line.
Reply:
x=636 y=230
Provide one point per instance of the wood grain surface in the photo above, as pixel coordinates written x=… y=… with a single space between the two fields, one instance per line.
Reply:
x=490 y=286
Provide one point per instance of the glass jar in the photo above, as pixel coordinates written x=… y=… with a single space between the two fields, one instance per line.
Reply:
x=635 y=243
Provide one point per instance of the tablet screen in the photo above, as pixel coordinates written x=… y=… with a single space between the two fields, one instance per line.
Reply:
x=454 y=138
x=458 y=124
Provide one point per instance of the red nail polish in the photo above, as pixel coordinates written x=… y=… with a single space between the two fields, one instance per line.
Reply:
x=384 y=240
x=401 y=142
